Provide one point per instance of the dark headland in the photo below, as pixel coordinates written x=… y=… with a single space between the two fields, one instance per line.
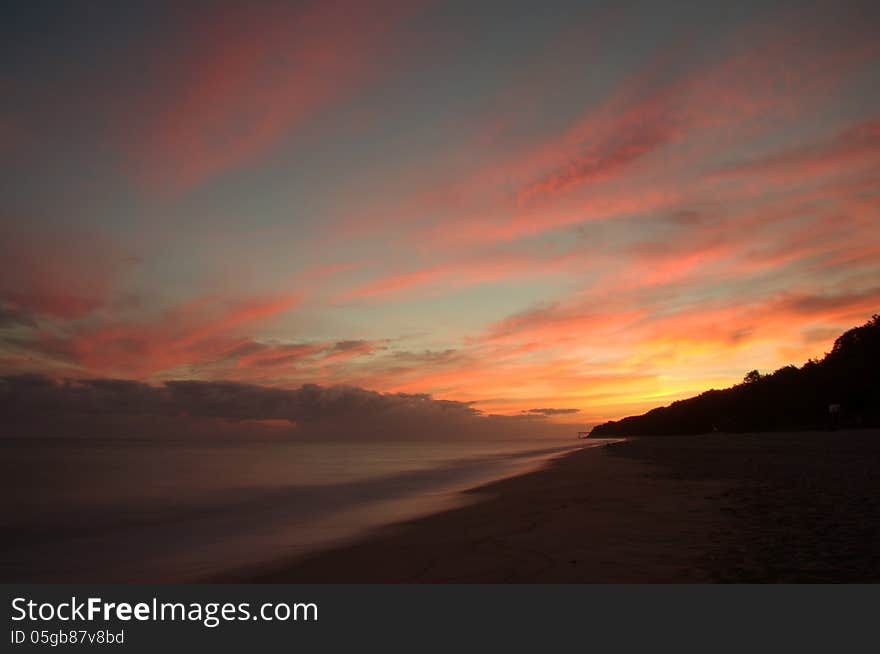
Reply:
x=840 y=390
x=760 y=484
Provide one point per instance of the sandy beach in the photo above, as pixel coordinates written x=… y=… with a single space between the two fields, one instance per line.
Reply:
x=775 y=507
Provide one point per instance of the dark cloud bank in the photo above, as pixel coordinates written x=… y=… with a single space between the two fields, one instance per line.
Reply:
x=551 y=412
x=37 y=406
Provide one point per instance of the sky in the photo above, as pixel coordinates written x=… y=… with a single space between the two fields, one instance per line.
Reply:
x=569 y=212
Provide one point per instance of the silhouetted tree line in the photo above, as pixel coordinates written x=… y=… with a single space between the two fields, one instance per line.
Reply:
x=791 y=398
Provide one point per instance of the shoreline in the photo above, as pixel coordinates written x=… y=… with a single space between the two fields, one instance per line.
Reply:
x=421 y=506
x=487 y=539
x=727 y=507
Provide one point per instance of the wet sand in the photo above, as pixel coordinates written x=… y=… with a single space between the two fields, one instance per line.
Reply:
x=781 y=507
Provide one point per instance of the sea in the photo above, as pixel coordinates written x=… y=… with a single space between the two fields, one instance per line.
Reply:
x=126 y=510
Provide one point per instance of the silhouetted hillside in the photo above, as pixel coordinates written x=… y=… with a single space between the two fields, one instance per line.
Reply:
x=791 y=398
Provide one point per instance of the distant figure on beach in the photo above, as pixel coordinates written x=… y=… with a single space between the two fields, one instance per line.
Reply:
x=833 y=415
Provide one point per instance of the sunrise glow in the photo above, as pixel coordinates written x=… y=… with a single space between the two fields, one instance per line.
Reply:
x=515 y=212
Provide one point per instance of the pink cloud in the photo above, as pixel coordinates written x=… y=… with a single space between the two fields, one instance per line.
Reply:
x=641 y=148
x=58 y=273
x=854 y=148
x=455 y=274
x=247 y=78
x=191 y=335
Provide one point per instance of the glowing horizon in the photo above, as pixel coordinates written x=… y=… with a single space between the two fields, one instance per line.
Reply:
x=579 y=212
